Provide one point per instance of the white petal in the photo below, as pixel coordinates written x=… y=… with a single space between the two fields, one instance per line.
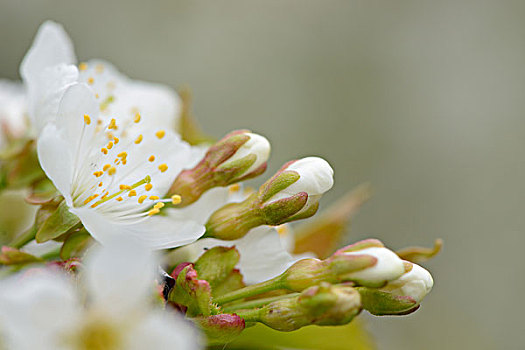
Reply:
x=316 y=178
x=78 y=101
x=163 y=330
x=388 y=267
x=36 y=309
x=13 y=107
x=158 y=105
x=201 y=210
x=416 y=283
x=55 y=158
x=156 y=232
x=119 y=275
x=51 y=47
x=45 y=92
x=262 y=254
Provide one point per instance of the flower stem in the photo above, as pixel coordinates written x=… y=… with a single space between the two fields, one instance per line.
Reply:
x=249 y=291
x=257 y=303
x=252 y=315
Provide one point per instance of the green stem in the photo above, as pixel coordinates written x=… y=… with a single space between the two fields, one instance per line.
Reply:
x=250 y=291
x=252 y=315
x=257 y=303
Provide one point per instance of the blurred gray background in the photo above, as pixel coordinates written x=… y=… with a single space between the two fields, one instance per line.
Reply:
x=424 y=99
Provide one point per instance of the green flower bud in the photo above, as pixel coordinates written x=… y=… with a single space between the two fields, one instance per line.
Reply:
x=240 y=155
x=323 y=305
x=293 y=193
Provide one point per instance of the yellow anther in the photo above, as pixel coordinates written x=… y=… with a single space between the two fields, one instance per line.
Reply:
x=163 y=167
x=153 y=212
x=119 y=199
x=100 y=184
x=132 y=193
x=139 y=139
x=105 y=195
x=110 y=136
x=137 y=118
x=112 y=170
x=90 y=198
x=99 y=68
x=124 y=161
x=160 y=134
x=97 y=95
x=83 y=66
x=98 y=173
x=282 y=230
x=159 y=205
x=176 y=199
x=234 y=188
x=110 y=145
x=87 y=119
x=154 y=198
x=99 y=122
x=142 y=199
x=122 y=154
x=91 y=81
x=148 y=187
x=125 y=187
x=112 y=124
x=116 y=140
x=106 y=167
x=104 y=150
x=151 y=158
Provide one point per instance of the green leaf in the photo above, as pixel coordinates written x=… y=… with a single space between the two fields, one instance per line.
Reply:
x=58 y=223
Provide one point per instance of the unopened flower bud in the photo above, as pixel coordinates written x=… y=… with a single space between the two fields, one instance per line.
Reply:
x=366 y=263
x=388 y=265
x=220 y=329
x=293 y=193
x=240 y=155
x=400 y=296
x=416 y=283
x=323 y=305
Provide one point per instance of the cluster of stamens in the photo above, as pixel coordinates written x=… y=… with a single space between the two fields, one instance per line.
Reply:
x=110 y=168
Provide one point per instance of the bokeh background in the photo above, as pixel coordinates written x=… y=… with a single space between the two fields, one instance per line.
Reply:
x=424 y=99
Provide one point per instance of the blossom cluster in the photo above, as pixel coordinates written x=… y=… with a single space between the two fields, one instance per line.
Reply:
x=146 y=235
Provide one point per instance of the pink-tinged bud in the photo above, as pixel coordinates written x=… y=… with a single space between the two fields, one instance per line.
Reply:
x=323 y=305
x=220 y=329
x=191 y=294
x=240 y=155
x=293 y=193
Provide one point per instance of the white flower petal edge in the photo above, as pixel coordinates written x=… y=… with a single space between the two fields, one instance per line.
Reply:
x=48 y=70
x=36 y=309
x=12 y=108
x=114 y=175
